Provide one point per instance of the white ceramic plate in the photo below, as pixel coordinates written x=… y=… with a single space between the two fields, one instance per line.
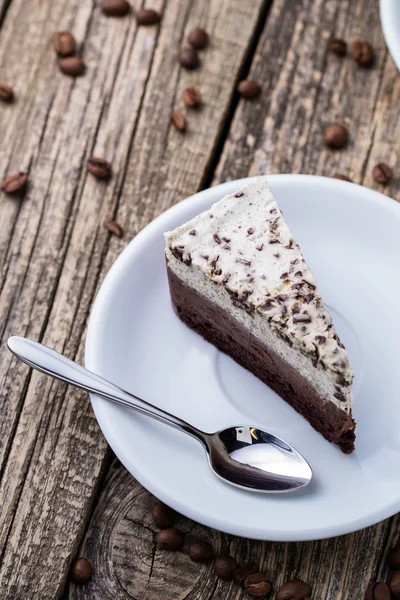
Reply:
x=390 y=20
x=350 y=237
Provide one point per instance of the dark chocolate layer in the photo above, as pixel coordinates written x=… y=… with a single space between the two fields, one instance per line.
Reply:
x=221 y=329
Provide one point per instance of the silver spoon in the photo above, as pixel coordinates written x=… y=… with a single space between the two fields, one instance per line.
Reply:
x=243 y=456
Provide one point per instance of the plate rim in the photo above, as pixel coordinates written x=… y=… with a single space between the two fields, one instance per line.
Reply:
x=91 y=346
x=387 y=9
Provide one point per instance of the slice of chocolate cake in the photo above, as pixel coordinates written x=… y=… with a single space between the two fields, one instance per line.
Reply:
x=239 y=279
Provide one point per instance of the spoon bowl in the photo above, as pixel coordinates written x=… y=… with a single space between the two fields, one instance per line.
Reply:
x=243 y=456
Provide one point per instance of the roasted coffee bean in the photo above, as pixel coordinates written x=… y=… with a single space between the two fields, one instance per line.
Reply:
x=240 y=574
x=377 y=591
x=336 y=136
x=189 y=58
x=191 y=97
x=382 y=173
x=163 y=515
x=257 y=585
x=115 y=8
x=114 y=227
x=363 y=53
x=169 y=539
x=224 y=566
x=198 y=38
x=249 y=89
x=64 y=43
x=341 y=176
x=147 y=16
x=338 y=47
x=178 y=120
x=14 y=183
x=6 y=93
x=81 y=571
x=394 y=584
x=72 y=65
x=296 y=589
x=98 y=167
x=201 y=551
x=393 y=558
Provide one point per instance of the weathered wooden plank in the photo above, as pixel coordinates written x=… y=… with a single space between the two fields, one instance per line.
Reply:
x=126 y=564
x=54 y=249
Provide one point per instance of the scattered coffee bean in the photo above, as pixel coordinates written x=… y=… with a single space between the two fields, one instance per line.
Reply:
x=393 y=558
x=201 y=551
x=64 y=43
x=178 y=120
x=163 y=515
x=14 y=183
x=6 y=93
x=115 y=8
x=191 y=97
x=336 y=136
x=341 y=176
x=224 y=566
x=72 y=65
x=169 y=539
x=363 y=53
x=98 y=167
x=338 y=47
x=394 y=584
x=240 y=574
x=377 y=591
x=189 y=58
x=81 y=571
x=257 y=585
x=382 y=173
x=296 y=589
x=249 y=89
x=147 y=16
x=114 y=227
x=198 y=38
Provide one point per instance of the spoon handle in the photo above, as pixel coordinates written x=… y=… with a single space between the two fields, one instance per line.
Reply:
x=56 y=365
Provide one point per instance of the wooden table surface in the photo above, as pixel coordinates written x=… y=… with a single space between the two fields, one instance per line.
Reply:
x=61 y=492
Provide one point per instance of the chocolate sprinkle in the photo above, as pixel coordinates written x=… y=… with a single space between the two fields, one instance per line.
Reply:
x=298 y=274
x=321 y=339
x=217 y=238
x=250 y=230
x=243 y=261
x=274 y=242
x=284 y=275
x=259 y=247
x=239 y=194
x=193 y=232
x=301 y=318
x=311 y=285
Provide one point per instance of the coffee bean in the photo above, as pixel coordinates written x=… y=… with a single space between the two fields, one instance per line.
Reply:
x=249 y=89
x=6 y=93
x=198 y=38
x=363 y=53
x=394 y=584
x=81 y=571
x=341 y=176
x=72 y=65
x=189 y=58
x=201 y=551
x=163 y=515
x=178 y=120
x=296 y=589
x=191 y=97
x=224 y=566
x=14 y=183
x=240 y=574
x=114 y=227
x=393 y=558
x=377 y=591
x=64 y=43
x=147 y=16
x=115 y=8
x=98 y=167
x=257 y=585
x=169 y=539
x=336 y=136
x=338 y=47
x=382 y=173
